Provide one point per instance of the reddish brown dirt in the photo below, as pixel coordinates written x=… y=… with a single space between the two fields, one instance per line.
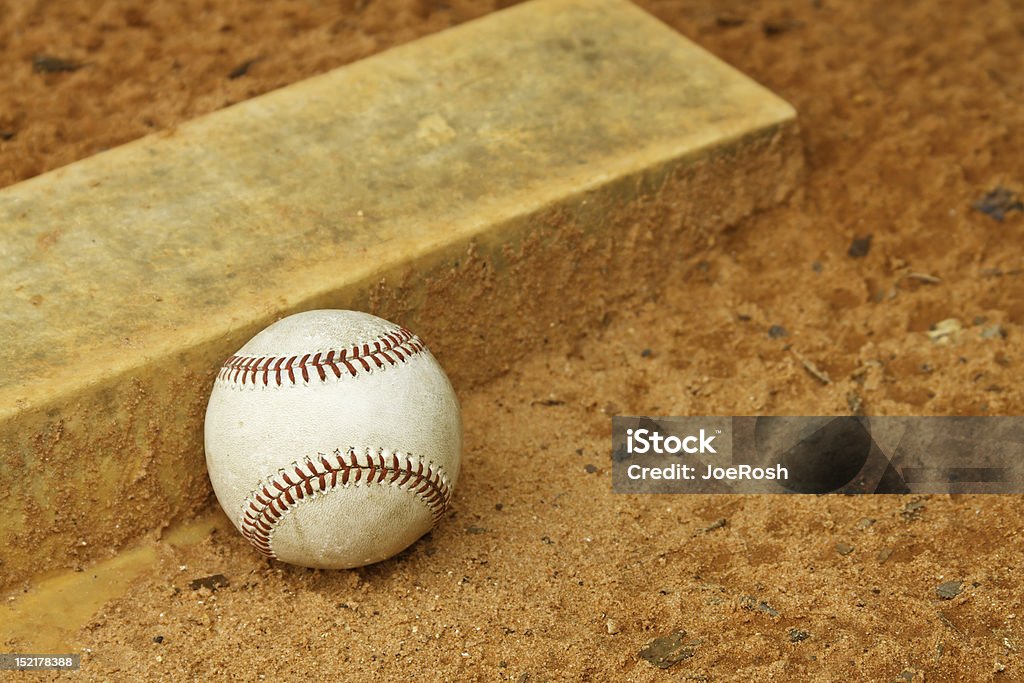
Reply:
x=910 y=114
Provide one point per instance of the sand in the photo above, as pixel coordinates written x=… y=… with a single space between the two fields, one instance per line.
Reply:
x=910 y=117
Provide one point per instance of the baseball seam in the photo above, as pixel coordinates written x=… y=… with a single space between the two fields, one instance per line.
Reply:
x=266 y=506
x=387 y=350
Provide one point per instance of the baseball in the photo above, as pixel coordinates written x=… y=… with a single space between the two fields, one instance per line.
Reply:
x=333 y=439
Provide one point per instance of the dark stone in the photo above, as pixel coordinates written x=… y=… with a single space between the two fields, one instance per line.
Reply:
x=859 y=247
x=669 y=650
x=796 y=635
x=47 y=64
x=949 y=589
x=998 y=202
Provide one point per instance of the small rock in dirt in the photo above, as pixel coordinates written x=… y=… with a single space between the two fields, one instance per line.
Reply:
x=158 y=639
x=999 y=202
x=859 y=247
x=611 y=626
x=647 y=353
x=844 y=549
x=590 y=469
x=717 y=524
x=923 y=278
x=884 y=554
x=776 y=27
x=668 y=650
x=945 y=331
x=47 y=64
x=812 y=369
x=949 y=589
x=912 y=510
x=993 y=332
x=242 y=68
x=213 y=582
x=752 y=603
x=796 y=635
x=817 y=266
x=7 y=135
x=865 y=523
x=777 y=331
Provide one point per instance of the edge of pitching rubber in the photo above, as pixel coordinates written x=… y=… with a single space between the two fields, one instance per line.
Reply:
x=108 y=460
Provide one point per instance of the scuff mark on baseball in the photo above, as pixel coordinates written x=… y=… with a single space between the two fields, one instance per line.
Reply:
x=333 y=439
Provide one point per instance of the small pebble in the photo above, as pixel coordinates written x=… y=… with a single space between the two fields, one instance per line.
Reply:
x=668 y=650
x=998 y=202
x=48 y=64
x=859 y=247
x=949 y=589
x=912 y=510
x=945 y=331
x=796 y=635
x=993 y=332
x=242 y=69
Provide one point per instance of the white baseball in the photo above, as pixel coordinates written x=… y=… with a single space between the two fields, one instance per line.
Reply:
x=333 y=439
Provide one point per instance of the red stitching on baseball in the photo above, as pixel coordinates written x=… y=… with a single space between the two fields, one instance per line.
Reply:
x=265 y=507
x=390 y=349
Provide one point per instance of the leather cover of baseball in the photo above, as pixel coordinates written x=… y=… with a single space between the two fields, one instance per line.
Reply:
x=333 y=439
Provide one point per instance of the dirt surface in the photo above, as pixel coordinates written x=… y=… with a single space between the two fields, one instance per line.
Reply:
x=910 y=117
